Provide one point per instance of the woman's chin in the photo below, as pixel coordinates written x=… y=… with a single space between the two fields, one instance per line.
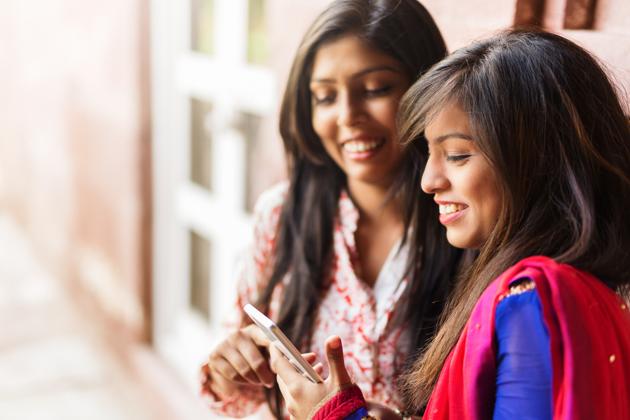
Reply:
x=461 y=240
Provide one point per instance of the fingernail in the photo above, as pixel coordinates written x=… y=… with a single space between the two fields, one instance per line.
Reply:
x=335 y=343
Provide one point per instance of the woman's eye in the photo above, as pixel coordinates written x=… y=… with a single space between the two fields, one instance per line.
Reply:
x=378 y=91
x=323 y=99
x=457 y=157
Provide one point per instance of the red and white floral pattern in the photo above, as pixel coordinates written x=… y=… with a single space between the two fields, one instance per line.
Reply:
x=374 y=350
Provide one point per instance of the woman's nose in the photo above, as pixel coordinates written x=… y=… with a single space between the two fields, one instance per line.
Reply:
x=433 y=179
x=350 y=111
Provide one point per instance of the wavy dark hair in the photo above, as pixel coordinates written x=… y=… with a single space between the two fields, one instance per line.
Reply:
x=547 y=117
x=404 y=30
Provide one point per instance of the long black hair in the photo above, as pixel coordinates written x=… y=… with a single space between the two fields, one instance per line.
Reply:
x=546 y=116
x=404 y=30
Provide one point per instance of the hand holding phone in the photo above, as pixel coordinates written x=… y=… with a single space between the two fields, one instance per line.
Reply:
x=282 y=343
x=236 y=361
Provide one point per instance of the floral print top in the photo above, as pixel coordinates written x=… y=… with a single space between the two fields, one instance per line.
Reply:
x=374 y=349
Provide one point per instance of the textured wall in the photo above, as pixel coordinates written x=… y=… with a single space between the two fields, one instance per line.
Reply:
x=74 y=149
x=605 y=30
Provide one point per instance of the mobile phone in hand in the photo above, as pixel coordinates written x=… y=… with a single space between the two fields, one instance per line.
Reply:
x=282 y=343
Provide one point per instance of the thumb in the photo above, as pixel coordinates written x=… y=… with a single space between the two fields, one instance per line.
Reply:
x=334 y=354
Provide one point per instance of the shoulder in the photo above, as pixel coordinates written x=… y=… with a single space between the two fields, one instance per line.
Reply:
x=269 y=206
x=541 y=270
x=266 y=217
x=520 y=297
x=272 y=199
x=520 y=300
x=518 y=287
x=559 y=286
x=532 y=273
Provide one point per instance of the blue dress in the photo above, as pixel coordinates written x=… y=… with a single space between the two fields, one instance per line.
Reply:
x=524 y=377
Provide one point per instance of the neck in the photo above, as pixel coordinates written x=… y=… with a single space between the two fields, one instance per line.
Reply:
x=370 y=200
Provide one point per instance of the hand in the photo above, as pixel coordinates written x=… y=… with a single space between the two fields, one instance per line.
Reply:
x=381 y=412
x=302 y=397
x=236 y=362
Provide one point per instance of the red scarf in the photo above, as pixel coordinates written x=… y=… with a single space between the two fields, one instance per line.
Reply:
x=589 y=335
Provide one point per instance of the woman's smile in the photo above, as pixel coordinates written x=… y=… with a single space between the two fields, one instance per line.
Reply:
x=362 y=148
x=449 y=212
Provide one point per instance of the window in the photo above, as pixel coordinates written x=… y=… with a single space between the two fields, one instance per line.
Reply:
x=202 y=20
x=201 y=144
x=213 y=101
x=200 y=275
x=257 y=37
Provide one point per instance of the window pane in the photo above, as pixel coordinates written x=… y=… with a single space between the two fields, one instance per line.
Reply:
x=201 y=144
x=202 y=19
x=257 y=37
x=200 y=275
x=255 y=162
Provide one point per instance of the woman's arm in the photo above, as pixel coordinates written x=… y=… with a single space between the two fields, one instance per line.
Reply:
x=524 y=376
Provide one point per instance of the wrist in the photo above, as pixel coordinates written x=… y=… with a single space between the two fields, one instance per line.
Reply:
x=339 y=405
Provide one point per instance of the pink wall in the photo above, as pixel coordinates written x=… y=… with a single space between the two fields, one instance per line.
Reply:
x=74 y=144
x=609 y=38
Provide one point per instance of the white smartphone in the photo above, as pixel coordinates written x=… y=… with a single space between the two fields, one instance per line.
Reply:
x=282 y=343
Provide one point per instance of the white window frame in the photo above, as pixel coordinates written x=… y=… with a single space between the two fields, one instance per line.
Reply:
x=232 y=86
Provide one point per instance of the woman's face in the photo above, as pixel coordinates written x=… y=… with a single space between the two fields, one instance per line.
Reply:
x=459 y=176
x=355 y=92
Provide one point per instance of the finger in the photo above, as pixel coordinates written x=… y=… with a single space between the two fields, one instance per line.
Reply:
x=224 y=369
x=310 y=357
x=204 y=377
x=257 y=335
x=319 y=368
x=240 y=364
x=284 y=390
x=241 y=352
x=229 y=363
x=334 y=355
x=283 y=368
x=204 y=370
x=258 y=363
x=204 y=374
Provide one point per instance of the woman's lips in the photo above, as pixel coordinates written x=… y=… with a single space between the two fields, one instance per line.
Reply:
x=449 y=212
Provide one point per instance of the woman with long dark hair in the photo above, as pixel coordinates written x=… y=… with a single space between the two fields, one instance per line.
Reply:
x=341 y=248
x=529 y=163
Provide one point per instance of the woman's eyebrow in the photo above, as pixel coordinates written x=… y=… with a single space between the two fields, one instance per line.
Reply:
x=358 y=74
x=455 y=134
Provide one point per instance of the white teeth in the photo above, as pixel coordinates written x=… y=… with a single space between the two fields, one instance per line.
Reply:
x=450 y=208
x=360 y=146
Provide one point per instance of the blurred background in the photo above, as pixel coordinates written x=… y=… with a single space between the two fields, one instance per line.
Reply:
x=135 y=136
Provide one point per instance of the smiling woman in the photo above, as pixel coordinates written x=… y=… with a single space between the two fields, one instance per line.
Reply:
x=342 y=248
x=542 y=186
